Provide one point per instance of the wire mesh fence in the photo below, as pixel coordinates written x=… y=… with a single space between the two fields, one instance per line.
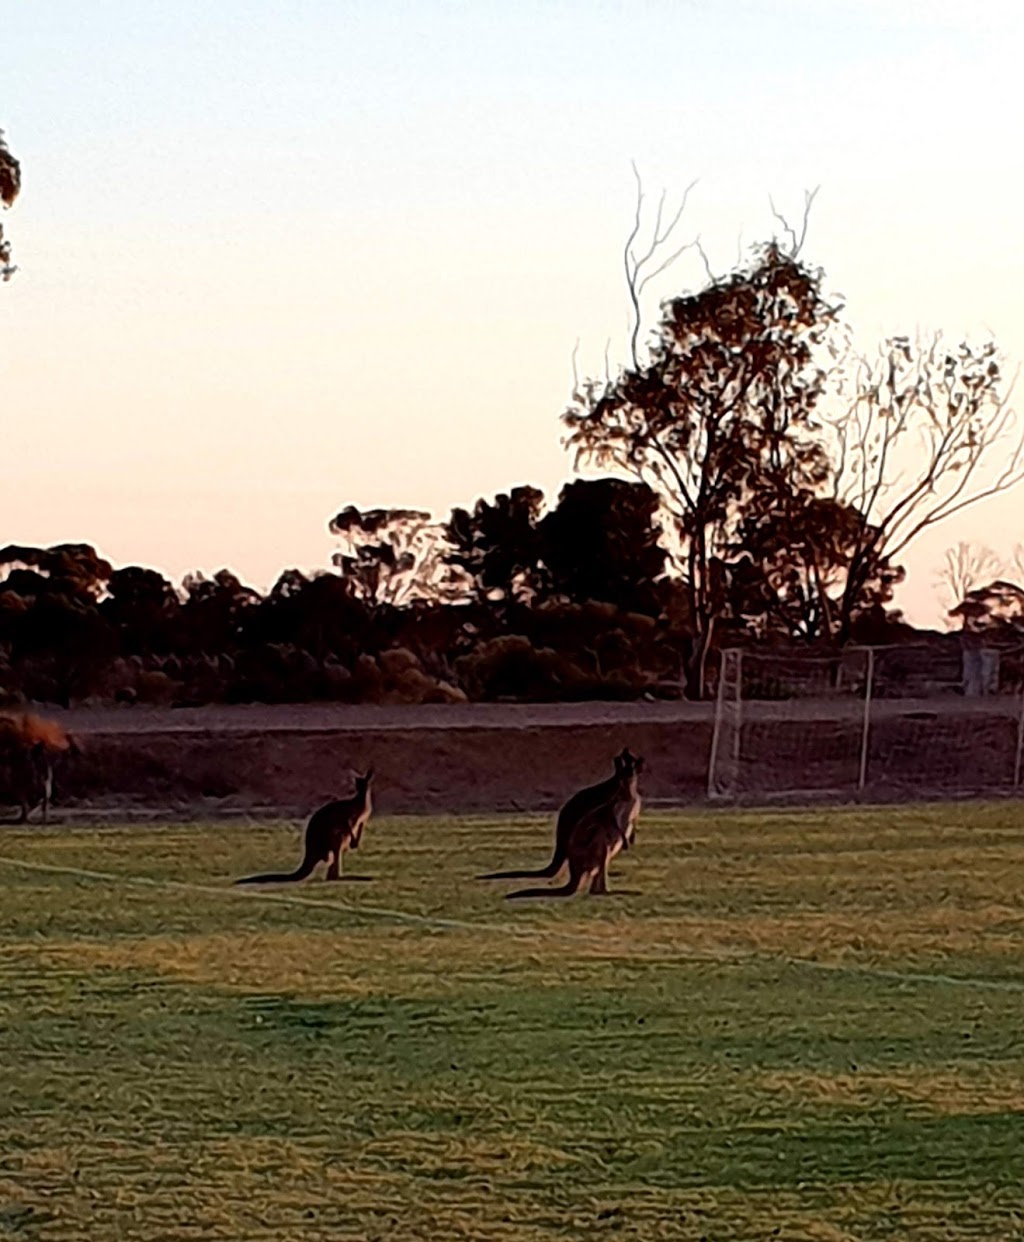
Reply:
x=944 y=720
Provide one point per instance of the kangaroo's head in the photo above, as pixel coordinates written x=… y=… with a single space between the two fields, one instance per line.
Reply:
x=628 y=765
x=363 y=782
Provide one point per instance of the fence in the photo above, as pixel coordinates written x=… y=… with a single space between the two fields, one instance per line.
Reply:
x=930 y=719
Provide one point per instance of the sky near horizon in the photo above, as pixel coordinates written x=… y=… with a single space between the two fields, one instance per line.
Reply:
x=275 y=259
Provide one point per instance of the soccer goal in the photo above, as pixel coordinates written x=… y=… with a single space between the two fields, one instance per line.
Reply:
x=890 y=721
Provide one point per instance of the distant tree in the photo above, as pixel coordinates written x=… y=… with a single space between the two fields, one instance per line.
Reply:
x=498 y=546
x=10 y=185
x=601 y=542
x=143 y=607
x=69 y=643
x=794 y=563
x=791 y=480
x=997 y=606
x=214 y=613
x=719 y=419
x=75 y=570
x=926 y=432
x=390 y=557
x=59 y=642
x=318 y=613
x=964 y=567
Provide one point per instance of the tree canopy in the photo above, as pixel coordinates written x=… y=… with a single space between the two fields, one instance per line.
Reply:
x=10 y=186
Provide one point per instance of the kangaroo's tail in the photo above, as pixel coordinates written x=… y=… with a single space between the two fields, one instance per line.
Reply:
x=566 y=890
x=304 y=868
x=544 y=873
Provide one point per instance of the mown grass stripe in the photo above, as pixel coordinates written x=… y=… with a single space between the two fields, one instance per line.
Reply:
x=663 y=953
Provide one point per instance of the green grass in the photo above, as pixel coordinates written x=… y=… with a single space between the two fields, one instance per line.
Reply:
x=758 y=1035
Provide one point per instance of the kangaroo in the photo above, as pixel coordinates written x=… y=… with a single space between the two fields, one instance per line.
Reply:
x=568 y=817
x=599 y=835
x=331 y=830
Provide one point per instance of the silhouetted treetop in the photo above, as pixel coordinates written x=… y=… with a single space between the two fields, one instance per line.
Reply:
x=391 y=557
x=498 y=545
x=601 y=542
x=997 y=606
x=10 y=185
x=74 y=569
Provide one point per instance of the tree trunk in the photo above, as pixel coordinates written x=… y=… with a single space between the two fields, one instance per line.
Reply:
x=695 y=662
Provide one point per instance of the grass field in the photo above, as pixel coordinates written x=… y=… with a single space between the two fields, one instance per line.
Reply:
x=796 y=1025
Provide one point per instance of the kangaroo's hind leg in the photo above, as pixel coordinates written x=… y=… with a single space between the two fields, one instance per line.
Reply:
x=334 y=864
x=599 y=883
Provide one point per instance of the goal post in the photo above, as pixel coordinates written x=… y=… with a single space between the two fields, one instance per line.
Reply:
x=791 y=724
x=915 y=719
x=723 y=765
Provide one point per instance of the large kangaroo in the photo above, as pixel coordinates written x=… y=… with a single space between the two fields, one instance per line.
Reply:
x=331 y=830
x=599 y=835
x=568 y=817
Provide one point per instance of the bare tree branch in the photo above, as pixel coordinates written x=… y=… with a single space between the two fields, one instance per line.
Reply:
x=638 y=272
x=965 y=567
x=929 y=432
x=796 y=240
x=704 y=260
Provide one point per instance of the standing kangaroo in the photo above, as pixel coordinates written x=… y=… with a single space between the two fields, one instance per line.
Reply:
x=599 y=835
x=569 y=816
x=331 y=830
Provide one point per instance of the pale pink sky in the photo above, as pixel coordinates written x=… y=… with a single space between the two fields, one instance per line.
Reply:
x=279 y=259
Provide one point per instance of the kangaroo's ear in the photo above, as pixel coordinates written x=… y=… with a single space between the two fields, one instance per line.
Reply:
x=369 y=774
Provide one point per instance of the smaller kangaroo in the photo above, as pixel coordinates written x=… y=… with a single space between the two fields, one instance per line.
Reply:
x=599 y=835
x=332 y=829
x=571 y=814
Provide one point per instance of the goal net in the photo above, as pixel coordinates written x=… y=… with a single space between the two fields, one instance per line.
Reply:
x=880 y=721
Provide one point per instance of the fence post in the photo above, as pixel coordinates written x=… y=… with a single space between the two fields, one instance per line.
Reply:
x=865 y=735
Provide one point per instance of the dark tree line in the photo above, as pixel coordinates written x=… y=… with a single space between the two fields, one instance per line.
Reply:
x=509 y=600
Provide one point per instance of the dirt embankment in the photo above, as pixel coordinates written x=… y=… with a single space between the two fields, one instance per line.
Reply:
x=490 y=758
x=478 y=758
